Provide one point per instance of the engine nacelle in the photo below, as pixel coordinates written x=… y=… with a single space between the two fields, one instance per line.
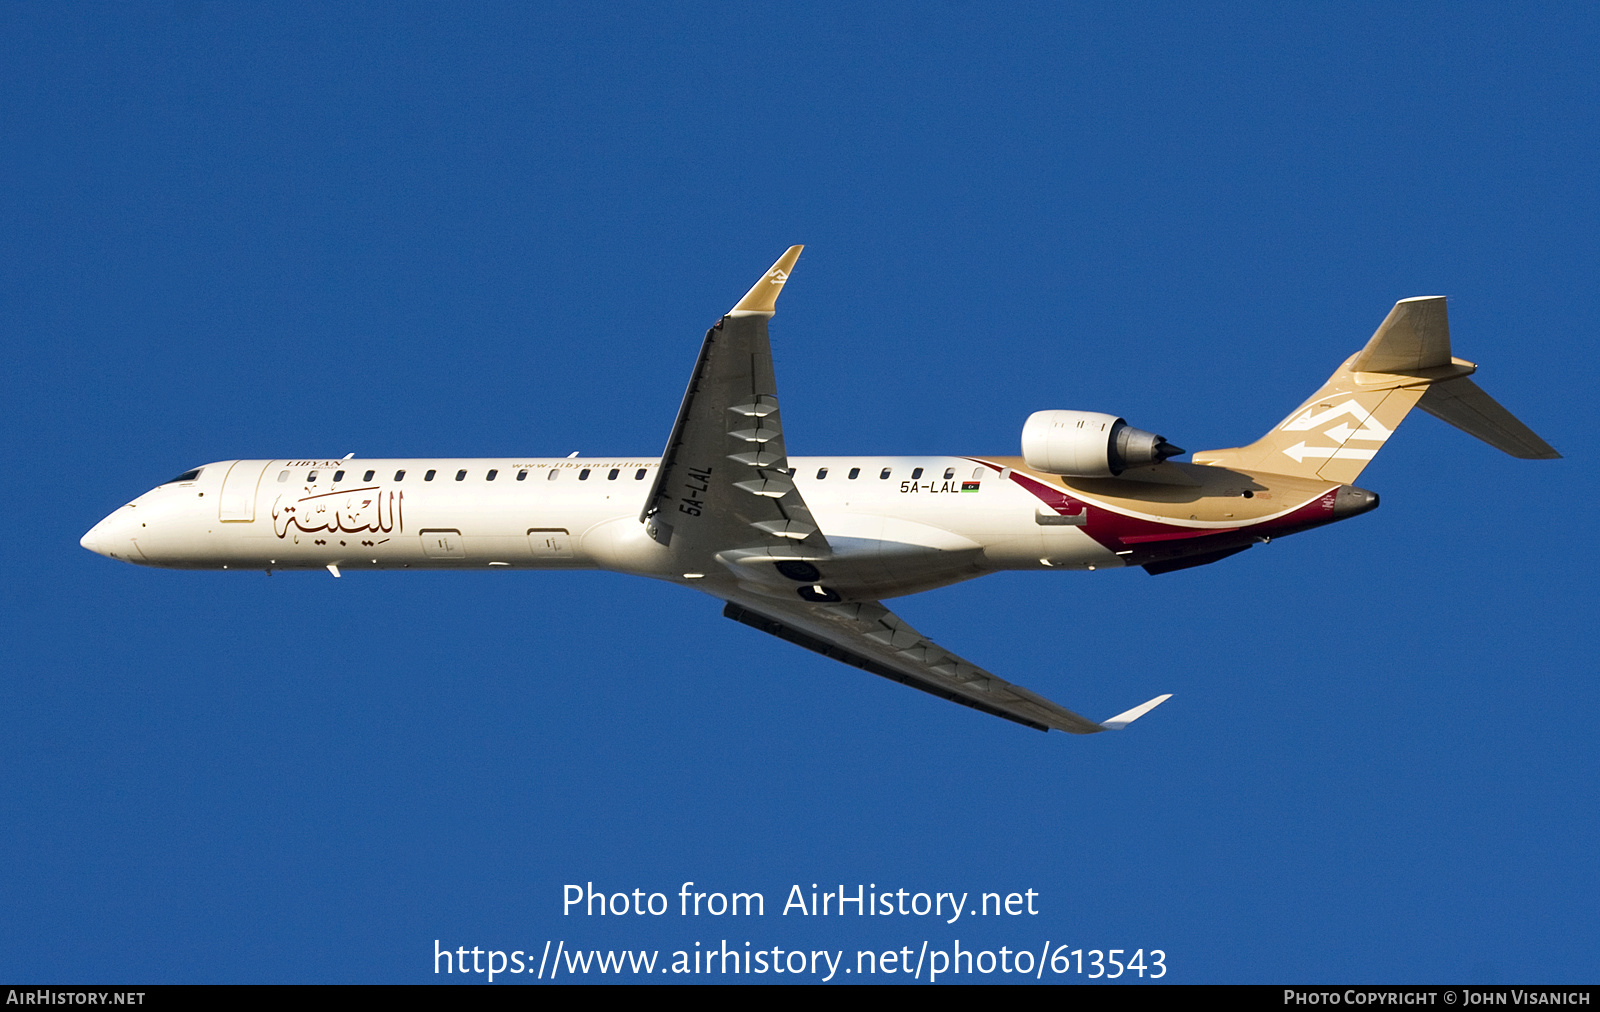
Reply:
x=1089 y=444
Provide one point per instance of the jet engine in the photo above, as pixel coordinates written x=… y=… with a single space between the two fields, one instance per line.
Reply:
x=1089 y=444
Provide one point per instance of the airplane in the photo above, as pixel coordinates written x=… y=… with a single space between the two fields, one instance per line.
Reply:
x=807 y=549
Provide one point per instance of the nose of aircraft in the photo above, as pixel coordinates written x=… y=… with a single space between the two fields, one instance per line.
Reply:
x=113 y=536
x=94 y=540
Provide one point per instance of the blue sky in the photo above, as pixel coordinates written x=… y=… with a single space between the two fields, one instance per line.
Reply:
x=407 y=230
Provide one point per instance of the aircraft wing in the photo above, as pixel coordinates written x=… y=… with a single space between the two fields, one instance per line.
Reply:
x=723 y=483
x=871 y=637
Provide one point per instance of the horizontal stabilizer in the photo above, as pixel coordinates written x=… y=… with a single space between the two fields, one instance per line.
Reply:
x=1463 y=404
x=1127 y=717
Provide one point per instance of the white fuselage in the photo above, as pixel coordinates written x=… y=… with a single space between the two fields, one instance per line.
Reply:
x=572 y=513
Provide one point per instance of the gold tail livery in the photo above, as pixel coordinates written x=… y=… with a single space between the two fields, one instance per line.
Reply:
x=808 y=548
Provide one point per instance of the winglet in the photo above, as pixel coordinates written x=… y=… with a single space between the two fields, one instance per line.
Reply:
x=1127 y=717
x=762 y=300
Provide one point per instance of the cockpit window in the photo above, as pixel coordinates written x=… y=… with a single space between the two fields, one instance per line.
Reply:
x=187 y=476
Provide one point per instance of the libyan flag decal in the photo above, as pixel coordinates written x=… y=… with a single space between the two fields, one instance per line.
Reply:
x=969 y=486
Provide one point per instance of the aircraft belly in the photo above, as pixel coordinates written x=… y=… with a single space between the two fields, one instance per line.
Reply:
x=621 y=544
x=876 y=569
x=890 y=554
x=856 y=569
x=1073 y=548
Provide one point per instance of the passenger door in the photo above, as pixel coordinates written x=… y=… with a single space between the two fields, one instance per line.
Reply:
x=238 y=502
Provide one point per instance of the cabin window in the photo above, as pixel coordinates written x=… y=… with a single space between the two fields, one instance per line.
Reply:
x=338 y=476
x=977 y=474
x=399 y=476
x=522 y=476
x=311 y=476
x=613 y=475
x=461 y=475
x=429 y=475
x=916 y=473
x=491 y=475
x=368 y=476
x=884 y=474
x=639 y=475
x=554 y=474
x=583 y=475
x=949 y=473
x=855 y=472
x=822 y=473
x=283 y=475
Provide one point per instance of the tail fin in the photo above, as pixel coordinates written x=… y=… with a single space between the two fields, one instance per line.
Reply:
x=1407 y=363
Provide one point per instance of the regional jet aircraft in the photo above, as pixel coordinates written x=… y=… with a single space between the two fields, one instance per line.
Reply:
x=808 y=548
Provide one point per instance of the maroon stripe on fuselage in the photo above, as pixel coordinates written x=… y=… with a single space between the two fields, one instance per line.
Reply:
x=1151 y=540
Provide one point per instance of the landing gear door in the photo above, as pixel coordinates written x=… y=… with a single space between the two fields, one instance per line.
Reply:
x=550 y=543
x=238 y=502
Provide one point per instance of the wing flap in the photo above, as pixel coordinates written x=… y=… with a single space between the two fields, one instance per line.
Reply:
x=866 y=635
x=858 y=659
